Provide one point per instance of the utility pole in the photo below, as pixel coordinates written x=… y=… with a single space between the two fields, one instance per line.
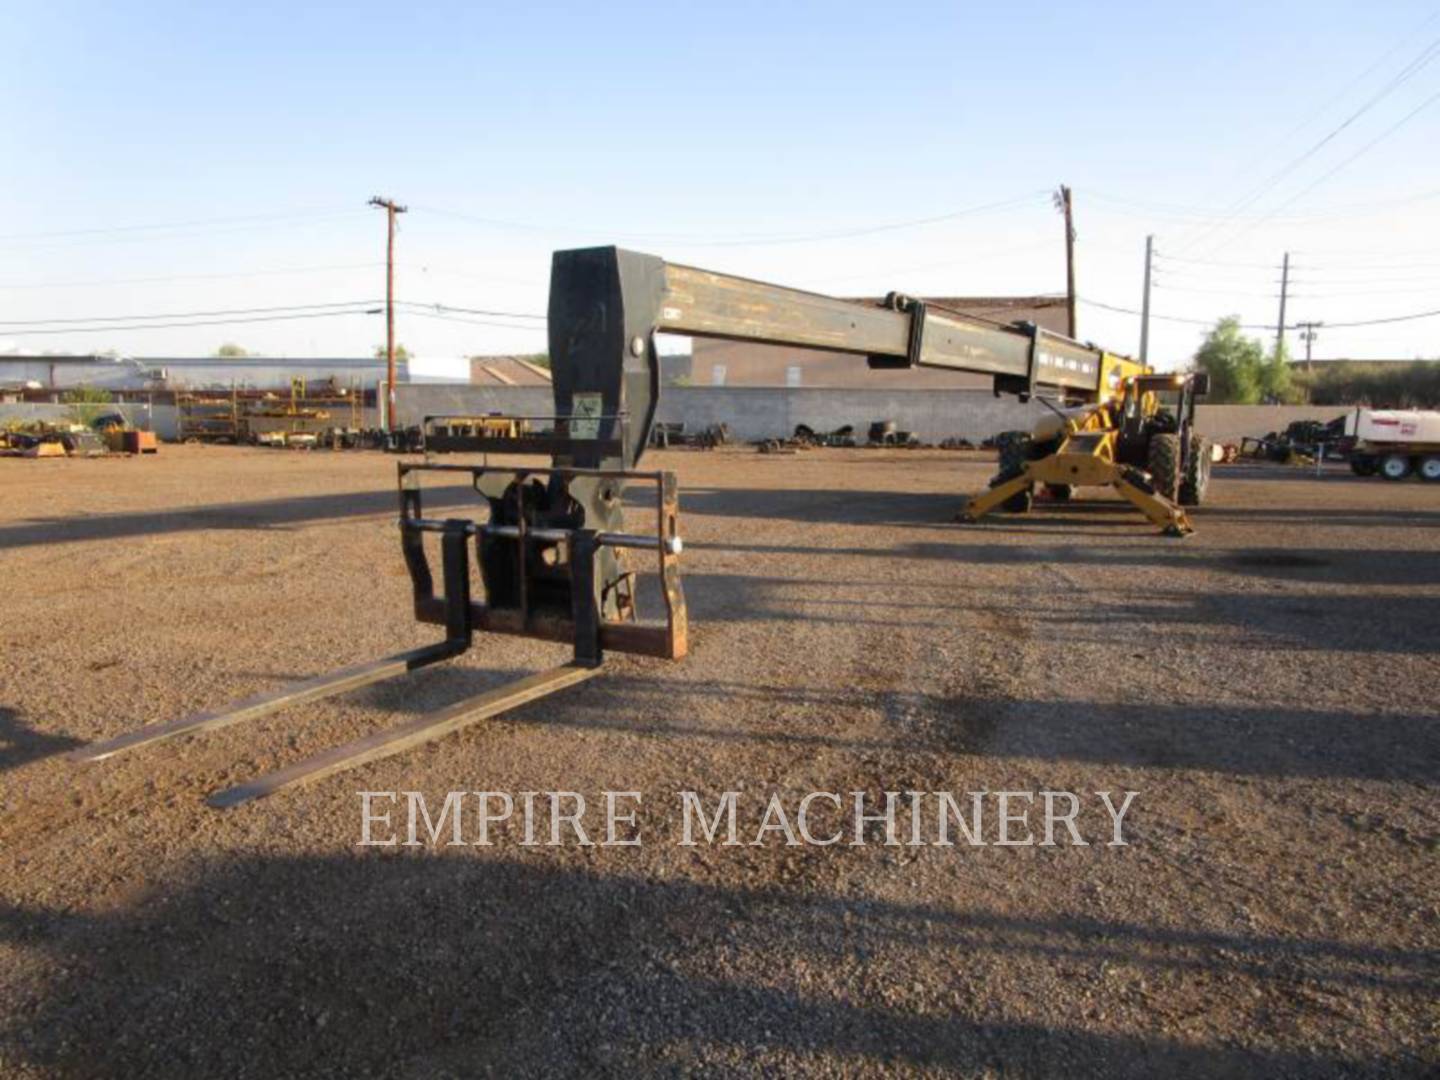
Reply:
x=1284 y=293
x=1065 y=205
x=1145 y=302
x=391 y=209
x=1309 y=331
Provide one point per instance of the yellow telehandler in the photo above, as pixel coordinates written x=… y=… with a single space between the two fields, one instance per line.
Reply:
x=1139 y=439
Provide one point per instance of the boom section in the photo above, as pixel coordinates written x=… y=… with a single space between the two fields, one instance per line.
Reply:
x=902 y=332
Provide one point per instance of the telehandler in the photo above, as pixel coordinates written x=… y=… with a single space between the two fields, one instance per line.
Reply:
x=550 y=540
x=1140 y=439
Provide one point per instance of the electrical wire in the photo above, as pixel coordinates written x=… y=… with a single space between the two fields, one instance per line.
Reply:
x=188 y=314
x=1165 y=318
x=1409 y=71
x=188 y=277
x=87 y=239
x=201 y=222
x=479 y=322
x=747 y=241
x=175 y=326
x=1157 y=253
x=1412 y=317
x=1357 y=154
x=467 y=311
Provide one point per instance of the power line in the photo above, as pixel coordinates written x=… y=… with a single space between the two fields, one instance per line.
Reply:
x=1215 y=262
x=468 y=311
x=187 y=277
x=106 y=229
x=1412 y=317
x=969 y=259
x=1200 y=215
x=174 y=326
x=1167 y=318
x=1390 y=319
x=478 y=322
x=746 y=241
x=186 y=314
x=1406 y=73
x=1358 y=153
x=142 y=237
x=444 y=271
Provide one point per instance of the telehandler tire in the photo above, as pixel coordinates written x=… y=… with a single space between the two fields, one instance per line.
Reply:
x=1197 y=472
x=1163 y=463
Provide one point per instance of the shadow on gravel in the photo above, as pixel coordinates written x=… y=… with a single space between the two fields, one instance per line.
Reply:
x=1231 y=740
x=1330 y=517
x=1320 y=566
x=1279 y=619
x=459 y=965
x=264 y=514
x=1323 y=566
x=20 y=744
x=830 y=507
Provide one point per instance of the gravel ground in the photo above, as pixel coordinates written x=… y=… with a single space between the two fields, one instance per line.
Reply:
x=1268 y=686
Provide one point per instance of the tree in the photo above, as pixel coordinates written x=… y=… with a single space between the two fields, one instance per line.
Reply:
x=85 y=402
x=1234 y=363
x=401 y=352
x=1274 y=377
x=232 y=351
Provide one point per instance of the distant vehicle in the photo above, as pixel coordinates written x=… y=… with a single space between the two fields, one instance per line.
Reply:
x=1394 y=443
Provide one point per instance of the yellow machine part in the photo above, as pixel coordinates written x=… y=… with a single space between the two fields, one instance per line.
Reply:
x=1086 y=456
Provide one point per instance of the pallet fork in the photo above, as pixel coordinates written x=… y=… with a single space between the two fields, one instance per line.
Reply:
x=599 y=615
x=550 y=542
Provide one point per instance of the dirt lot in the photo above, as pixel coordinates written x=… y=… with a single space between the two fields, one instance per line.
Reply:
x=1268 y=687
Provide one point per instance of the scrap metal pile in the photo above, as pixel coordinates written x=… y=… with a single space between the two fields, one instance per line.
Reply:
x=107 y=434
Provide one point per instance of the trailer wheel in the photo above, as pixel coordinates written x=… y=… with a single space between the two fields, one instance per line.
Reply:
x=1430 y=468
x=1197 y=473
x=1163 y=463
x=1060 y=492
x=1364 y=464
x=1395 y=466
x=1014 y=449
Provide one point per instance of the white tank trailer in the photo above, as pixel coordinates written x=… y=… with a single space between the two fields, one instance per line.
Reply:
x=1394 y=443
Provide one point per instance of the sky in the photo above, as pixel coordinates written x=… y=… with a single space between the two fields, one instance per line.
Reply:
x=199 y=164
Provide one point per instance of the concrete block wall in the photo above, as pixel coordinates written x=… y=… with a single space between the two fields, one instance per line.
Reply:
x=1229 y=423
x=759 y=412
x=755 y=412
x=768 y=412
x=415 y=401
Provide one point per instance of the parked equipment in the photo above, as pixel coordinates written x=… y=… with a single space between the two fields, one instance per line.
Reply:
x=1394 y=444
x=1302 y=442
x=550 y=540
x=1140 y=439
